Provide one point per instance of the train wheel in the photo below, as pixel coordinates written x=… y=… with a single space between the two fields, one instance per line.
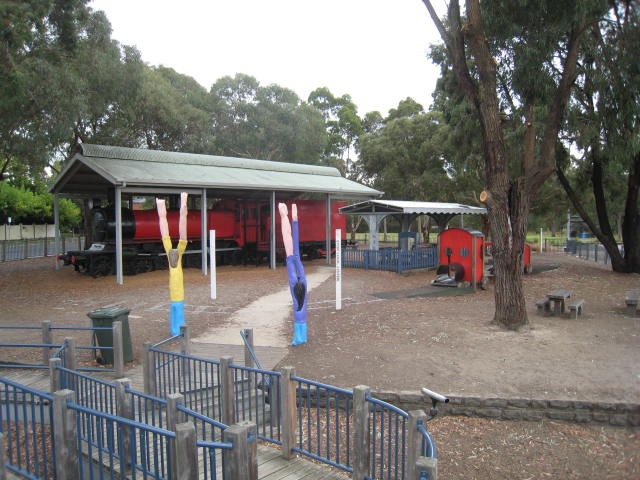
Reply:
x=101 y=267
x=143 y=265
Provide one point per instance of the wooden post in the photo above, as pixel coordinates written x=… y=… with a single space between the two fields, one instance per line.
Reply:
x=241 y=462
x=3 y=458
x=65 y=435
x=361 y=444
x=185 y=453
x=149 y=370
x=55 y=382
x=227 y=393
x=288 y=415
x=173 y=419
x=428 y=465
x=414 y=442
x=186 y=339
x=124 y=410
x=47 y=339
x=70 y=359
x=248 y=359
x=118 y=352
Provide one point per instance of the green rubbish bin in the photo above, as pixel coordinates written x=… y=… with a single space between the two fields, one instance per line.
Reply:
x=104 y=318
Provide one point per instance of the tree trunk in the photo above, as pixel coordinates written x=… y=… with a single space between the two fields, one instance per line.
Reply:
x=631 y=222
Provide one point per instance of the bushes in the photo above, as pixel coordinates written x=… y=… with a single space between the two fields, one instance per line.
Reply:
x=27 y=207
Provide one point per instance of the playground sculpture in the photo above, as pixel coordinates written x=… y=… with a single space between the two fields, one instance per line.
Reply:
x=174 y=257
x=295 y=272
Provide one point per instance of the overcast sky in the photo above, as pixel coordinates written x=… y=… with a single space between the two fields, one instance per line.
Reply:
x=374 y=50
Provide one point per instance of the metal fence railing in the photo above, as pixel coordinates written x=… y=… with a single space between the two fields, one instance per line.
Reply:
x=37 y=247
x=325 y=423
x=388 y=440
x=392 y=259
x=26 y=426
x=594 y=252
x=54 y=350
x=121 y=430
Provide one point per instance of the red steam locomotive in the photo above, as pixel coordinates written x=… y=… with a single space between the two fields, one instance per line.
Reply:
x=242 y=228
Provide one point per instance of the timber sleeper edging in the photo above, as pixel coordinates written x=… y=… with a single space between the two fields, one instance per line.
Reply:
x=571 y=411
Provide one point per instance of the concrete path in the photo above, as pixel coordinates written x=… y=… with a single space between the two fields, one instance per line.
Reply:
x=268 y=316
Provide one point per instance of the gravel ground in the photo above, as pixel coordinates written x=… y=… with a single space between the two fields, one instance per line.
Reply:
x=445 y=343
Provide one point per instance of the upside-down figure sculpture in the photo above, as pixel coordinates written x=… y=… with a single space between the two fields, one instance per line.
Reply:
x=174 y=256
x=295 y=271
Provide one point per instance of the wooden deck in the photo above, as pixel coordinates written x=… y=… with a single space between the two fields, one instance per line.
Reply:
x=271 y=465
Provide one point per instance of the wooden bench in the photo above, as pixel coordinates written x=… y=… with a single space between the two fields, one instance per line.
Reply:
x=576 y=307
x=631 y=299
x=544 y=307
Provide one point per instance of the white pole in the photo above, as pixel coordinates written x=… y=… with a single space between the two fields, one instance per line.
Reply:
x=338 y=269
x=541 y=240
x=212 y=261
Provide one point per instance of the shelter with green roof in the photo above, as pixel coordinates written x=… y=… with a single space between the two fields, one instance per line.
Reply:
x=111 y=173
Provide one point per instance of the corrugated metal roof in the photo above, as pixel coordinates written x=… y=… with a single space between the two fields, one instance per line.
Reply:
x=399 y=206
x=151 y=168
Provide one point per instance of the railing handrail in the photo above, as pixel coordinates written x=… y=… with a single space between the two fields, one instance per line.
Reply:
x=33 y=391
x=430 y=446
x=322 y=385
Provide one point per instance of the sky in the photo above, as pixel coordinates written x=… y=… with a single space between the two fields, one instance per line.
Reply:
x=373 y=50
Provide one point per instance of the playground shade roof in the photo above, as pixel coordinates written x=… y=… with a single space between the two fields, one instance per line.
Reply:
x=387 y=207
x=96 y=168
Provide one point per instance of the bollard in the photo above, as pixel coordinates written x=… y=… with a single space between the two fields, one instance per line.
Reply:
x=248 y=359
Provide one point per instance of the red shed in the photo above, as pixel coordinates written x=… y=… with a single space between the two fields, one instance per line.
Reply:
x=457 y=252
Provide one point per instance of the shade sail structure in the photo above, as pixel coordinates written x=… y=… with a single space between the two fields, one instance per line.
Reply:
x=373 y=211
x=386 y=207
x=96 y=169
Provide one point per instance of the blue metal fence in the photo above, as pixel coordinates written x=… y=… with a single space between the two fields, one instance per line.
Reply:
x=325 y=423
x=25 y=419
x=59 y=348
x=392 y=259
x=388 y=440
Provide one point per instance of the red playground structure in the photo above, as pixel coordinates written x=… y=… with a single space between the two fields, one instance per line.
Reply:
x=462 y=259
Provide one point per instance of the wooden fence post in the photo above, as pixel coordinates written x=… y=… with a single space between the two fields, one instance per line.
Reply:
x=288 y=417
x=241 y=462
x=362 y=434
x=70 y=357
x=186 y=339
x=185 y=452
x=47 y=339
x=428 y=465
x=227 y=393
x=149 y=370
x=55 y=382
x=124 y=410
x=248 y=359
x=65 y=435
x=3 y=458
x=173 y=419
x=414 y=441
x=118 y=348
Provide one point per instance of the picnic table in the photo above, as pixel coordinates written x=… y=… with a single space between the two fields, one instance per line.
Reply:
x=558 y=298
